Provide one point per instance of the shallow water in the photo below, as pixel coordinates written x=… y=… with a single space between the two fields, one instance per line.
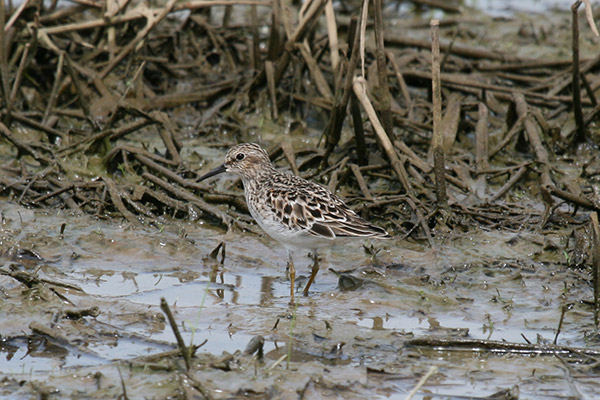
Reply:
x=462 y=289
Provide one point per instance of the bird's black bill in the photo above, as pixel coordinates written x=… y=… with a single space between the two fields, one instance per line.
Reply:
x=214 y=172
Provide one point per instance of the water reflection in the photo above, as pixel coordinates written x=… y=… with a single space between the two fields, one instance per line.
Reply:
x=266 y=291
x=220 y=285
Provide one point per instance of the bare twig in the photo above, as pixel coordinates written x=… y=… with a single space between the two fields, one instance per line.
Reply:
x=517 y=126
x=152 y=21
x=563 y=311
x=401 y=82
x=270 y=74
x=4 y=131
x=18 y=77
x=115 y=196
x=55 y=87
x=450 y=120
x=498 y=347
x=573 y=198
x=334 y=47
x=3 y=57
x=182 y=194
x=397 y=166
x=481 y=137
x=382 y=75
x=464 y=51
x=316 y=73
x=183 y=349
x=335 y=123
x=589 y=15
x=534 y=138
x=15 y=15
x=508 y=185
x=361 y=181
x=432 y=370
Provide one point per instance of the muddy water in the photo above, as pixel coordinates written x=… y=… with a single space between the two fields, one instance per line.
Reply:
x=346 y=339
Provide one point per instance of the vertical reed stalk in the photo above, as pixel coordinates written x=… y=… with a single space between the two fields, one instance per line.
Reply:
x=437 y=141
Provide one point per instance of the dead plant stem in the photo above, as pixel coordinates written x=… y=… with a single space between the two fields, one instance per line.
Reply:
x=438 y=139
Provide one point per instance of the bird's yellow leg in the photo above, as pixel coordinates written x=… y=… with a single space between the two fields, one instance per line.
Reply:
x=313 y=274
x=292 y=272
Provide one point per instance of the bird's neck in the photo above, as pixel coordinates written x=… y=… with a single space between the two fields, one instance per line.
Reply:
x=259 y=176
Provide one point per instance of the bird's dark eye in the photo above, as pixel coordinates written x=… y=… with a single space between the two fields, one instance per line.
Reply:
x=240 y=156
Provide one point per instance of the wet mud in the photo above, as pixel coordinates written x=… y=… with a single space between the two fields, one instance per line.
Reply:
x=488 y=294
x=88 y=322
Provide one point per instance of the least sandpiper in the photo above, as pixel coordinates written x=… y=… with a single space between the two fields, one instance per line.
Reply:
x=297 y=213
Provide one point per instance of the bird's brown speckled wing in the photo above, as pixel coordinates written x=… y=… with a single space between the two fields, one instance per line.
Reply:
x=312 y=208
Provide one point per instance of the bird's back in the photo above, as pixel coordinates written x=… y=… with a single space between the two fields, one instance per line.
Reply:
x=289 y=207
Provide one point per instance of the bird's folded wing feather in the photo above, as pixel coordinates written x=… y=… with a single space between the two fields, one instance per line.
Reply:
x=320 y=213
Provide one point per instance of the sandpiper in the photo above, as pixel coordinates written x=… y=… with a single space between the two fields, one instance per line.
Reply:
x=297 y=213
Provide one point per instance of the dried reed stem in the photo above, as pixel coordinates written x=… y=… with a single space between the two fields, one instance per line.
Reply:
x=577 y=110
x=334 y=45
x=382 y=73
x=438 y=140
x=185 y=351
x=361 y=93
